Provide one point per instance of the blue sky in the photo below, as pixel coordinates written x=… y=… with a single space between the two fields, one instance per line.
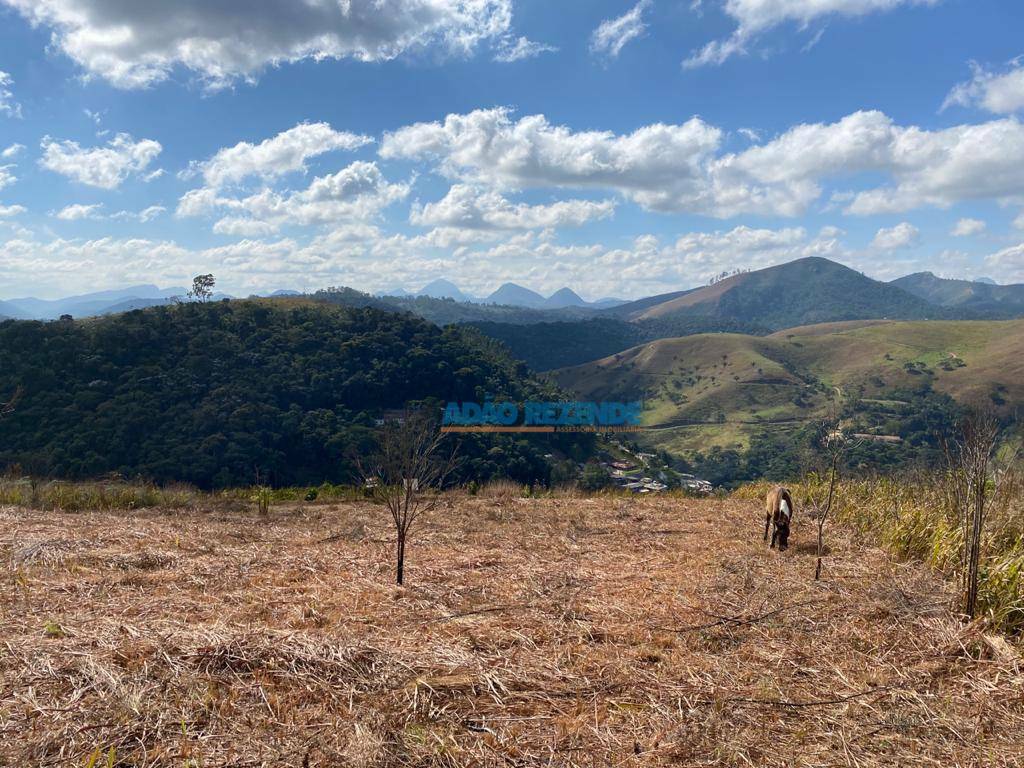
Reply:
x=620 y=148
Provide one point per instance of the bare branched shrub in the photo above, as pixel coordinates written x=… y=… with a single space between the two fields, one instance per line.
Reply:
x=823 y=511
x=968 y=470
x=410 y=467
x=833 y=447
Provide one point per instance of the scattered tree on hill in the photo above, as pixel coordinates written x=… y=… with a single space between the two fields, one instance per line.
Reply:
x=410 y=467
x=202 y=287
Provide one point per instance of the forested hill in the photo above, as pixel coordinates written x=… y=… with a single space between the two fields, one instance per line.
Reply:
x=211 y=393
x=802 y=292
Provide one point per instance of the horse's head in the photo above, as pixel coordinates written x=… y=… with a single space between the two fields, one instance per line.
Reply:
x=782 y=519
x=782 y=534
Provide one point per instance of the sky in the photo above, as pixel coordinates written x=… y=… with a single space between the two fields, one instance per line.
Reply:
x=621 y=148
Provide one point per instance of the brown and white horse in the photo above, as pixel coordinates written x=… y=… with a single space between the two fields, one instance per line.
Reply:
x=779 y=514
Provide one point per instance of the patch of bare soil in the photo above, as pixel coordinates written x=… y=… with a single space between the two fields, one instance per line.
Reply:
x=568 y=632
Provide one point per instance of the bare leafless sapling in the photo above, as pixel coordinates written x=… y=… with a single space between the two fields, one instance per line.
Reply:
x=968 y=462
x=833 y=448
x=407 y=473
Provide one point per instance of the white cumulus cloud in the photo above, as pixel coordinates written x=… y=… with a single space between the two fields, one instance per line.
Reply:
x=903 y=235
x=924 y=168
x=1001 y=93
x=612 y=35
x=105 y=167
x=138 y=43
x=240 y=226
x=9 y=211
x=284 y=153
x=680 y=168
x=12 y=151
x=657 y=165
x=968 y=227
x=79 y=211
x=145 y=215
x=940 y=168
x=1009 y=263
x=357 y=192
x=469 y=207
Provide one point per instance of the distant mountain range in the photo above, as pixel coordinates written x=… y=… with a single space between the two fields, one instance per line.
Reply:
x=803 y=292
x=99 y=303
x=507 y=295
x=557 y=331
x=88 y=304
x=982 y=295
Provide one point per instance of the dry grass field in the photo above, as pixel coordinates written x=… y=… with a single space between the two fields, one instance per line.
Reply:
x=562 y=632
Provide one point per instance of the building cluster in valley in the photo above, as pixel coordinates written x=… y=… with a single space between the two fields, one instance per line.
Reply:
x=639 y=473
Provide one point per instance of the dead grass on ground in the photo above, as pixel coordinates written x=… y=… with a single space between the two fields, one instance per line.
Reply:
x=569 y=632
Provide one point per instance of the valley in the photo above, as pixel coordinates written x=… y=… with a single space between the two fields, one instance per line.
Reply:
x=755 y=359
x=720 y=389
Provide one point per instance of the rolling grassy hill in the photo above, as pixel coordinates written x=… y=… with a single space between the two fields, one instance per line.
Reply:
x=720 y=389
x=548 y=345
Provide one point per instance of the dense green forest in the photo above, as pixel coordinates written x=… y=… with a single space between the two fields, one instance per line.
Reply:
x=214 y=393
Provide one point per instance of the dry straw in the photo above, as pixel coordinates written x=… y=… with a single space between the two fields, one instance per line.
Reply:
x=559 y=631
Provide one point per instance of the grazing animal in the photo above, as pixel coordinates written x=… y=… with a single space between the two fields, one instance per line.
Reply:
x=778 y=515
